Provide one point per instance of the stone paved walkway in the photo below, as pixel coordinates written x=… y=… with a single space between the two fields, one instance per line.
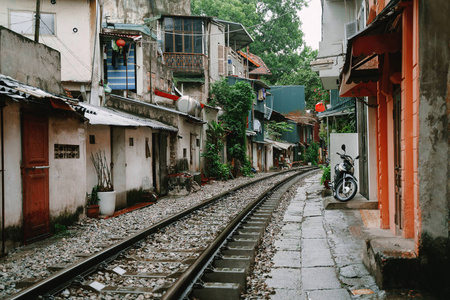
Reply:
x=319 y=253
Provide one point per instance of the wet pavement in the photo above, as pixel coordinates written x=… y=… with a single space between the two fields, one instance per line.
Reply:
x=319 y=252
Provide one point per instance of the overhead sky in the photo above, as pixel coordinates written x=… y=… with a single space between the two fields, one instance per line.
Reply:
x=311 y=18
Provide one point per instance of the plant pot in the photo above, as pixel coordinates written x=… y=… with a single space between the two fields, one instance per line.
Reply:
x=107 y=202
x=92 y=211
x=327 y=184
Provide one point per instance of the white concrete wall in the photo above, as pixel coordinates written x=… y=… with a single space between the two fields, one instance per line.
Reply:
x=269 y=156
x=185 y=131
x=13 y=158
x=119 y=160
x=102 y=142
x=350 y=140
x=138 y=167
x=67 y=177
x=76 y=47
x=217 y=37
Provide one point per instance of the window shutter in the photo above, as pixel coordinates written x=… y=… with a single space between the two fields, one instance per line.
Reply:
x=221 y=60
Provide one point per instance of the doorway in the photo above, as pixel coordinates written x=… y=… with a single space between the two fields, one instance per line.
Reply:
x=398 y=161
x=35 y=177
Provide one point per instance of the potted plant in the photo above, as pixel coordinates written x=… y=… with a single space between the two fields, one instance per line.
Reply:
x=105 y=189
x=92 y=207
x=326 y=176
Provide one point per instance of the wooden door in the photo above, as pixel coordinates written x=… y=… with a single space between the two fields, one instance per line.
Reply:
x=163 y=162
x=35 y=176
x=398 y=161
x=363 y=153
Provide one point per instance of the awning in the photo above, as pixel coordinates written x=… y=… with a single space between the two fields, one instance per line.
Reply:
x=237 y=34
x=365 y=52
x=279 y=145
x=108 y=116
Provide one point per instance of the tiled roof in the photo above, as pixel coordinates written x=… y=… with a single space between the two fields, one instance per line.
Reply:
x=261 y=69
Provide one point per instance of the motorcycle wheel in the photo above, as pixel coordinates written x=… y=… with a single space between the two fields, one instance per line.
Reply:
x=351 y=185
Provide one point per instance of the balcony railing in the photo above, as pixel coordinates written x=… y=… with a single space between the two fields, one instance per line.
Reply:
x=185 y=61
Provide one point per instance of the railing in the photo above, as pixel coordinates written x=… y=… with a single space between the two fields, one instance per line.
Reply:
x=185 y=61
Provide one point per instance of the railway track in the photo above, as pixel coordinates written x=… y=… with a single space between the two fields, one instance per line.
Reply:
x=203 y=250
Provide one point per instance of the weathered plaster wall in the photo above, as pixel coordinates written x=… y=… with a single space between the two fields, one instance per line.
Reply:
x=76 y=46
x=126 y=11
x=192 y=151
x=67 y=177
x=102 y=135
x=433 y=149
x=18 y=60
x=434 y=58
x=13 y=159
x=138 y=166
x=119 y=160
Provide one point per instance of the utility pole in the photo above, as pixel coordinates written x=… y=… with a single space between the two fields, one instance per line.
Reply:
x=37 y=21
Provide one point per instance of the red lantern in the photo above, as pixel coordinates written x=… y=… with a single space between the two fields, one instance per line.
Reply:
x=320 y=107
x=120 y=43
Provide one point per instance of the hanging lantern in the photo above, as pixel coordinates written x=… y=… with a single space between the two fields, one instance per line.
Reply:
x=320 y=107
x=120 y=43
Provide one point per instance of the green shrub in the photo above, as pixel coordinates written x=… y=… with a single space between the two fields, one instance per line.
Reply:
x=312 y=153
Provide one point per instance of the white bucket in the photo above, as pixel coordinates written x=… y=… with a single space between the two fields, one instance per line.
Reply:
x=107 y=202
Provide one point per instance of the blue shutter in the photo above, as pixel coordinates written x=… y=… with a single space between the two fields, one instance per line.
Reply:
x=117 y=75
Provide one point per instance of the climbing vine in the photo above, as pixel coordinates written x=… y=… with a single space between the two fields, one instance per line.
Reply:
x=235 y=101
x=214 y=146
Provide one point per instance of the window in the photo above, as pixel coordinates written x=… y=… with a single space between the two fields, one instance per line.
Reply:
x=183 y=35
x=131 y=141
x=23 y=22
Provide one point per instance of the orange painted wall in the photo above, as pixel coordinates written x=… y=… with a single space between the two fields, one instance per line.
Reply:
x=409 y=134
x=382 y=178
x=407 y=123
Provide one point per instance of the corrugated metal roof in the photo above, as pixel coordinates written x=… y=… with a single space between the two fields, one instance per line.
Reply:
x=18 y=91
x=108 y=116
x=191 y=118
x=280 y=145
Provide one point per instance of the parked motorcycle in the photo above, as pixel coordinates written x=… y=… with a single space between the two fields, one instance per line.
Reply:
x=344 y=183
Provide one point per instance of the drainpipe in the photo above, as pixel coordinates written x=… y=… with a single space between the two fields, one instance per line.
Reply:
x=2 y=170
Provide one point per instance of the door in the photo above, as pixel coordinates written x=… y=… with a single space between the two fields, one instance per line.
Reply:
x=398 y=161
x=362 y=161
x=35 y=176
x=163 y=162
x=155 y=162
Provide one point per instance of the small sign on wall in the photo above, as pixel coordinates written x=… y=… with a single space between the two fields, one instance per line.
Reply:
x=67 y=151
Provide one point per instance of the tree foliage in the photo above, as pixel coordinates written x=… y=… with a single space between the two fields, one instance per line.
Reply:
x=275 y=129
x=278 y=39
x=273 y=24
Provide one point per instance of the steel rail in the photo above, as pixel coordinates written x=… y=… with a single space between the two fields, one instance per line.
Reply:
x=63 y=278
x=184 y=283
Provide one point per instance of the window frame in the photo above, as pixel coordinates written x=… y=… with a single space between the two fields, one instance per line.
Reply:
x=185 y=33
x=45 y=29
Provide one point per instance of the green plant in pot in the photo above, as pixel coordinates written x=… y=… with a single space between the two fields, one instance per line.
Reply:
x=104 y=187
x=92 y=200
x=326 y=175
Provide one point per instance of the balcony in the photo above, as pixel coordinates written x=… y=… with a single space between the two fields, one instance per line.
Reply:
x=185 y=62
